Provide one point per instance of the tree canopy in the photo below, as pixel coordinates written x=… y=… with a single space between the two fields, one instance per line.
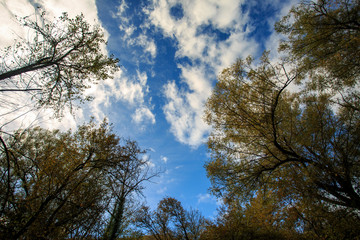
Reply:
x=291 y=126
x=284 y=146
x=56 y=62
x=59 y=185
x=267 y=135
x=324 y=34
x=171 y=221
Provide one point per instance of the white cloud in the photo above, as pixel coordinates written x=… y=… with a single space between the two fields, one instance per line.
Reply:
x=122 y=8
x=207 y=53
x=196 y=78
x=143 y=114
x=184 y=108
x=234 y=47
x=208 y=198
x=203 y=198
x=223 y=14
x=161 y=191
x=146 y=159
x=150 y=47
x=150 y=164
x=186 y=121
x=73 y=8
x=134 y=35
x=131 y=90
x=9 y=28
x=26 y=116
x=164 y=159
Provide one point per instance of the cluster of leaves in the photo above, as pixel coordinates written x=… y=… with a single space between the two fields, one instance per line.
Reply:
x=259 y=218
x=269 y=214
x=324 y=34
x=291 y=128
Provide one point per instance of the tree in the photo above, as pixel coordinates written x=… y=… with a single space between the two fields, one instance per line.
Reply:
x=155 y=223
x=196 y=223
x=295 y=145
x=266 y=135
x=126 y=180
x=56 y=63
x=171 y=221
x=262 y=217
x=58 y=185
x=300 y=144
x=268 y=216
x=325 y=34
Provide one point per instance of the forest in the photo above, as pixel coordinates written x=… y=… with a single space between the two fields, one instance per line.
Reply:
x=283 y=150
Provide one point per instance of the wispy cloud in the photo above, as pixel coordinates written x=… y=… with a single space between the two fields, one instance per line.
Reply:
x=208 y=198
x=161 y=191
x=184 y=112
x=134 y=35
x=205 y=197
x=142 y=115
x=146 y=158
x=131 y=90
x=123 y=88
x=164 y=159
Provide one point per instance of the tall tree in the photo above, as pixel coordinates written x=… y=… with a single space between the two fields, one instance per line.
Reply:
x=56 y=185
x=266 y=135
x=56 y=62
x=125 y=181
x=301 y=144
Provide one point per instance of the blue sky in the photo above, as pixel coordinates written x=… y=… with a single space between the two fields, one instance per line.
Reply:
x=170 y=53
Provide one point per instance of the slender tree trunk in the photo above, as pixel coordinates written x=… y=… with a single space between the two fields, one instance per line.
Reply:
x=116 y=219
x=28 y=68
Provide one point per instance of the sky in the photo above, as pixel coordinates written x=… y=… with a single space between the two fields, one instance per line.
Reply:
x=170 y=53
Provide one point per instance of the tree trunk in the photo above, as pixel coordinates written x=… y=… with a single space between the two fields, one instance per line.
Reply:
x=116 y=219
